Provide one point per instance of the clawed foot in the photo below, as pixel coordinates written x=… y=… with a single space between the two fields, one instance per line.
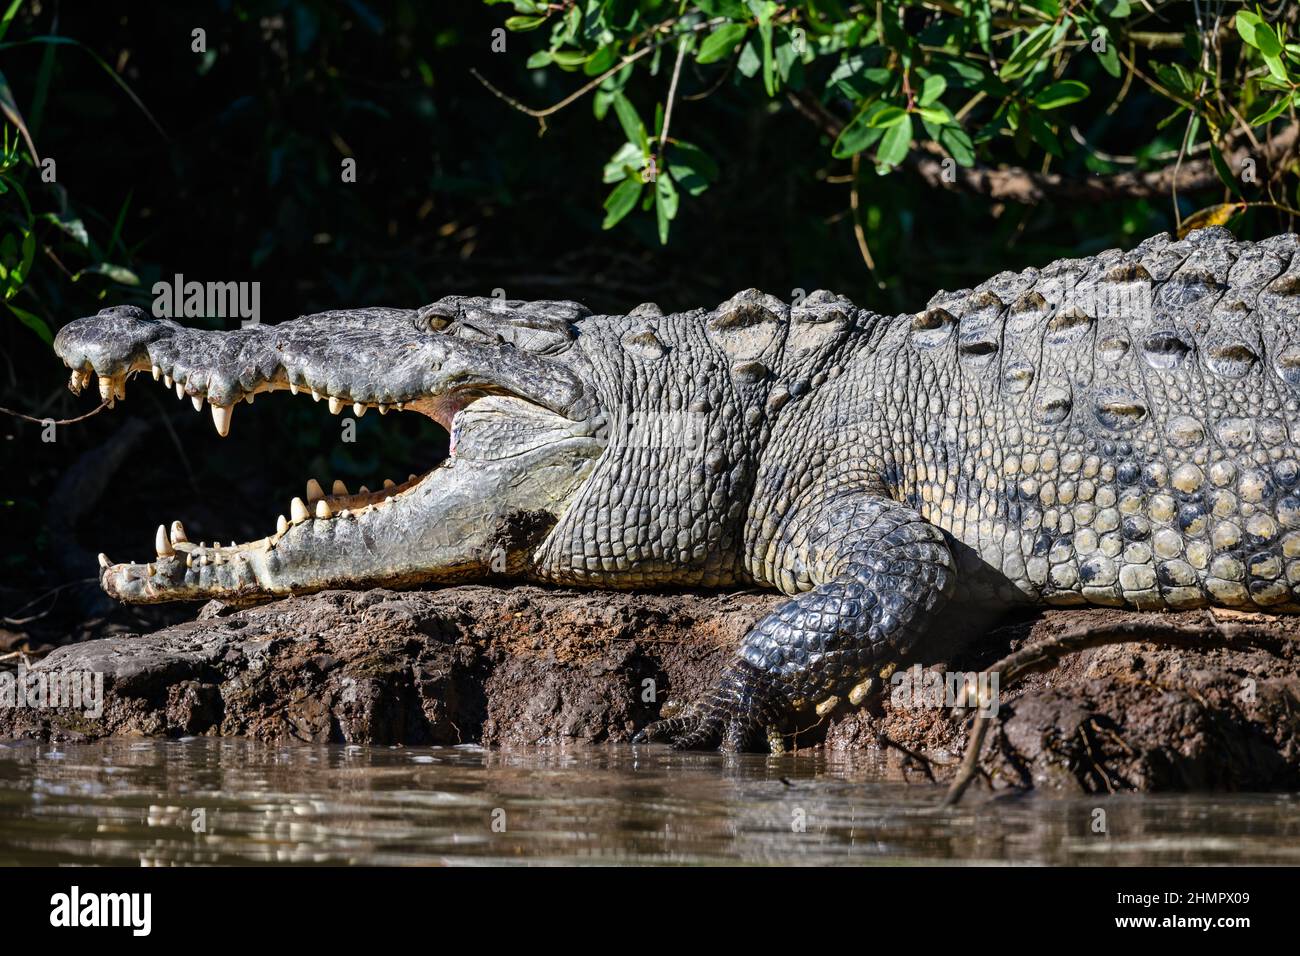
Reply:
x=735 y=718
x=701 y=733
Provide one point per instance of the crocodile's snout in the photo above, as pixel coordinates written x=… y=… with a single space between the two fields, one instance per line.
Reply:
x=523 y=446
x=112 y=344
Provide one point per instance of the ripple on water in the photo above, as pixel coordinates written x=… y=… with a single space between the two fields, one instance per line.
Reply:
x=201 y=800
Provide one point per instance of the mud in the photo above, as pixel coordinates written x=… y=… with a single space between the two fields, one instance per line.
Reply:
x=529 y=666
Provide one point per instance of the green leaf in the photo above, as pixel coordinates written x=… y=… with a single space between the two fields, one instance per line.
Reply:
x=621 y=201
x=1277 y=67
x=1028 y=53
x=569 y=59
x=9 y=14
x=750 y=62
x=633 y=128
x=691 y=168
x=1109 y=55
x=858 y=135
x=1177 y=78
x=932 y=89
x=894 y=144
x=770 y=83
x=75 y=228
x=10 y=110
x=1221 y=167
x=958 y=143
x=119 y=274
x=1248 y=26
x=1042 y=133
x=538 y=60
x=1061 y=93
x=601 y=60
x=524 y=24
x=626 y=162
x=721 y=42
x=1270 y=111
x=33 y=322
x=886 y=117
x=666 y=201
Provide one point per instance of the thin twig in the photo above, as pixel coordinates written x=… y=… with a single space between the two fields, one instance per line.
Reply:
x=540 y=115
x=859 y=233
x=52 y=421
x=672 y=95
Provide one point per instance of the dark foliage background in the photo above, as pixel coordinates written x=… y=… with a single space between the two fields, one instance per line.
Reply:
x=228 y=168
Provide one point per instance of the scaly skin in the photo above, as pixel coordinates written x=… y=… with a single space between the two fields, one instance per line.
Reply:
x=1115 y=430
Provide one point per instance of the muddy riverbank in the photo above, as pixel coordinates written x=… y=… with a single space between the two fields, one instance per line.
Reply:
x=540 y=666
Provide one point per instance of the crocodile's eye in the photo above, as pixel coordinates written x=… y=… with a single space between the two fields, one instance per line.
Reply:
x=435 y=317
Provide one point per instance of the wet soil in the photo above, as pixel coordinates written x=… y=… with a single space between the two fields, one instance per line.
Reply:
x=528 y=665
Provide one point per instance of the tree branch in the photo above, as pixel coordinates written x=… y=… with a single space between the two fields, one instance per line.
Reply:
x=1019 y=185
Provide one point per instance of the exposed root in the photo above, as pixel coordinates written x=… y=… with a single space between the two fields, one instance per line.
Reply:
x=1045 y=655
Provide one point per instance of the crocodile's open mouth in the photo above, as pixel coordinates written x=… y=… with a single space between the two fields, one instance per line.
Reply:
x=513 y=464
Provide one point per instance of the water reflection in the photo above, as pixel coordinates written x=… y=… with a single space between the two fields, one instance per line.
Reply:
x=229 y=801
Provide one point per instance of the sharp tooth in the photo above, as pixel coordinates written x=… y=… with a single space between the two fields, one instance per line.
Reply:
x=178 y=532
x=197 y=402
x=412 y=477
x=358 y=409
x=383 y=409
x=323 y=509
x=389 y=483
x=249 y=397
x=103 y=560
x=336 y=405
x=339 y=490
x=293 y=389
x=221 y=415
x=80 y=378
x=167 y=380
x=157 y=372
x=180 y=390
x=189 y=560
x=218 y=558
x=281 y=525
x=150 y=569
x=314 y=491
x=400 y=406
x=106 y=389
x=298 y=511
x=315 y=395
x=161 y=543
x=363 y=490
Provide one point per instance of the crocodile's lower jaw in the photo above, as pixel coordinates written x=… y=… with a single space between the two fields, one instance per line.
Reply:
x=477 y=513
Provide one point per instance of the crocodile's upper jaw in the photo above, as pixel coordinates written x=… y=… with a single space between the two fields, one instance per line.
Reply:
x=516 y=460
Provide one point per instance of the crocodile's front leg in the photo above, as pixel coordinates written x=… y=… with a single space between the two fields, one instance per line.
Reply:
x=881 y=574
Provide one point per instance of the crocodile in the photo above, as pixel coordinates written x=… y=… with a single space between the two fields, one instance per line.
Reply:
x=1113 y=430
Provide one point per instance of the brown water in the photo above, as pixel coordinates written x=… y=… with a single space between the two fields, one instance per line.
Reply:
x=223 y=801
